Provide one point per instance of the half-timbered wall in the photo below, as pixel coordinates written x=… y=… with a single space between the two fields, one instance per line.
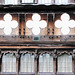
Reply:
x=37 y=37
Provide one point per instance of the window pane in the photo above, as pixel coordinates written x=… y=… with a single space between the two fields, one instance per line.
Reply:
x=45 y=63
x=0 y=1
x=61 y=1
x=11 y=1
x=27 y=1
x=27 y=63
x=44 y=1
x=65 y=63
x=9 y=63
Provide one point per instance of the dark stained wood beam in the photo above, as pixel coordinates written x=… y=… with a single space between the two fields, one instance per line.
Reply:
x=36 y=47
x=37 y=8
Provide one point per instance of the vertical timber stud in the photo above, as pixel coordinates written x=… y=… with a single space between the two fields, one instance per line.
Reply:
x=0 y=60
x=17 y=61
x=74 y=60
x=19 y=1
x=35 y=62
x=55 y=62
x=36 y=1
x=53 y=23
x=19 y=16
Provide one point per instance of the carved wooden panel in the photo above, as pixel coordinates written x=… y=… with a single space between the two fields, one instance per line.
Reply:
x=57 y=31
x=28 y=31
x=15 y=31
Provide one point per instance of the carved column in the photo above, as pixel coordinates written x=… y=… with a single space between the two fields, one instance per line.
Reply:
x=74 y=60
x=36 y=62
x=55 y=62
x=17 y=61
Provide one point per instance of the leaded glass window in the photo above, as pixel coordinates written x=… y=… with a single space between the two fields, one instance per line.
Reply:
x=61 y=1
x=65 y=63
x=44 y=1
x=45 y=63
x=11 y=1
x=27 y=63
x=9 y=63
x=27 y=1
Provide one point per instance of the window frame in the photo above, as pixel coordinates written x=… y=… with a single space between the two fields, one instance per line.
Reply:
x=46 y=72
x=26 y=72
x=49 y=3
x=58 y=3
x=65 y=72
x=28 y=2
x=2 y=66
x=7 y=3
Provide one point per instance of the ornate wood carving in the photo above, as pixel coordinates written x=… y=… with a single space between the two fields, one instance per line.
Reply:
x=55 y=54
x=36 y=54
x=17 y=54
x=46 y=51
x=64 y=52
x=6 y=51
x=74 y=54
x=24 y=51
x=0 y=54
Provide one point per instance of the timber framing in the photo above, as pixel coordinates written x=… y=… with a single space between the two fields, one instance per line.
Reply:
x=51 y=44
x=37 y=8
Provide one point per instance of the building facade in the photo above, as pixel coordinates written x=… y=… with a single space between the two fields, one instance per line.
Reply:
x=37 y=37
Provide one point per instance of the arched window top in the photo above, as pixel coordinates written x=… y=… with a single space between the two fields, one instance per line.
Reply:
x=65 y=55
x=9 y=56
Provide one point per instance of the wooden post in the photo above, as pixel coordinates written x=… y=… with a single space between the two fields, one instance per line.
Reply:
x=74 y=61
x=17 y=62
x=55 y=62
x=74 y=66
x=55 y=66
x=0 y=61
x=53 y=1
x=35 y=63
x=36 y=1
x=19 y=1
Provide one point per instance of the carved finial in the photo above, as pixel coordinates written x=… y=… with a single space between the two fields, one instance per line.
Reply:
x=74 y=53
x=55 y=51
x=17 y=54
x=55 y=54
x=0 y=53
x=36 y=54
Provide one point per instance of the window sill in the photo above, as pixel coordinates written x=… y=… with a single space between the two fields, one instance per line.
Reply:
x=65 y=73
x=26 y=73
x=46 y=73
x=8 y=73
